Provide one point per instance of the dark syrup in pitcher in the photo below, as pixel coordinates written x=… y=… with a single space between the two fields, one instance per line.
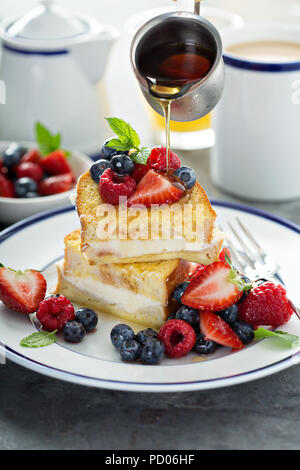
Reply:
x=171 y=57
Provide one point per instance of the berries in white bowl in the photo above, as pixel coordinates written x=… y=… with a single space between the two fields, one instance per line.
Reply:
x=38 y=176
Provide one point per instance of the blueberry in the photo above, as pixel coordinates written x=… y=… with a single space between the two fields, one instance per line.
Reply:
x=245 y=292
x=98 y=168
x=188 y=314
x=144 y=335
x=25 y=185
x=230 y=314
x=204 y=346
x=122 y=164
x=187 y=176
x=109 y=152
x=121 y=333
x=244 y=331
x=130 y=350
x=13 y=154
x=152 y=352
x=73 y=332
x=178 y=292
x=87 y=317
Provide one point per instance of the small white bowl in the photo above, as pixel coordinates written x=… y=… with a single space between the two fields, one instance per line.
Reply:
x=14 y=209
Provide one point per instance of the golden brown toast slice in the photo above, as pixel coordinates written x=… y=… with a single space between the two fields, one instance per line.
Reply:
x=139 y=292
x=198 y=240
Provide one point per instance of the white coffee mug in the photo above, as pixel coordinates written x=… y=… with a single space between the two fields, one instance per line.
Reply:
x=257 y=122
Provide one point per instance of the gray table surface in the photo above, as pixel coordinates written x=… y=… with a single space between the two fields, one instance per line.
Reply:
x=37 y=412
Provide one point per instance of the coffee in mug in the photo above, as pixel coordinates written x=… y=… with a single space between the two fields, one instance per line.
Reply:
x=256 y=155
x=268 y=51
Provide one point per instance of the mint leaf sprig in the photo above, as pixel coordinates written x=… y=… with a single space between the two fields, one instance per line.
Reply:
x=47 y=141
x=39 y=339
x=286 y=339
x=127 y=141
x=235 y=277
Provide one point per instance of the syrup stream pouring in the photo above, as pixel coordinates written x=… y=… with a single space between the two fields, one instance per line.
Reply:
x=182 y=5
x=199 y=96
x=177 y=59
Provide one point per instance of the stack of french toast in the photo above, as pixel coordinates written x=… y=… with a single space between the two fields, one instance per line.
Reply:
x=116 y=262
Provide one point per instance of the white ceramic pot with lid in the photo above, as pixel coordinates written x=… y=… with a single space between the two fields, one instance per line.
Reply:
x=52 y=63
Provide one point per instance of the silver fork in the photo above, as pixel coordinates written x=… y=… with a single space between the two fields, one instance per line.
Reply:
x=251 y=259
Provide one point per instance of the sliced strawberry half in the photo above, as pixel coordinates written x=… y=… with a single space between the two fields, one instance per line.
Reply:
x=195 y=273
x=22 y=291
x=212 y=289
x=155 y=188
x=217 y=330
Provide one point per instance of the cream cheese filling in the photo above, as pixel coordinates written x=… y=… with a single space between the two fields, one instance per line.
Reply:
x=134 y=248
x=107 y=293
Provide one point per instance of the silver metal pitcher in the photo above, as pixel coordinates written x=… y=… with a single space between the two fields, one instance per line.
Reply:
x=201 y=96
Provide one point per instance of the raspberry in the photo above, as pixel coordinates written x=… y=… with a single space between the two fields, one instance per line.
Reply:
x=158 y=161
x=178 y=338
x=54 y=312
x=31 y=170
x=266 y=304
x=111 y=186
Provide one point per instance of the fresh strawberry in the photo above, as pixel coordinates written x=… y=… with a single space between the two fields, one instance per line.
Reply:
x=196 y=271
x=214 y=288
x=56 y=184
x=6 y=187
x=31 y=170
x=224 y=253
x=112 y=187
x=155 y=188
x=139 y=171
x=22 y=291
x=32 y=156
x=158 y=159
x=217 y=330
x=56 y=163
x=266 y=304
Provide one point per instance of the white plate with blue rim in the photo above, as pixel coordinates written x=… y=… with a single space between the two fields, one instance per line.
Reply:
x=37 y=243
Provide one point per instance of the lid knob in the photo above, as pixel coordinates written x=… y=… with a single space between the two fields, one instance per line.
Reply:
x=47 y=3
x=47 y=21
